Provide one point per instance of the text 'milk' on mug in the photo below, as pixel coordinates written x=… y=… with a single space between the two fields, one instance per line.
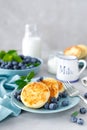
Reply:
x=67 y=69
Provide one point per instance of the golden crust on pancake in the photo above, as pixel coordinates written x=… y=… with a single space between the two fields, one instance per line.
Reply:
x=61 y=86
x=35 y=94
x=52 y=85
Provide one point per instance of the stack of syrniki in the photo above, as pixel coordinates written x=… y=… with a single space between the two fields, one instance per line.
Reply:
x=36 y=94
x=80 y=51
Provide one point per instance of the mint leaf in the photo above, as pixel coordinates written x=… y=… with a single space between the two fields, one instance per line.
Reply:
x=10 y=55
x=11 y=52
x=75 y=113
x=15 y=56
x=7 y=57
x=20 y=83
x=23 y=77
x=24 y=80
x=30 y=76
x=2 y=53
x=36 y=64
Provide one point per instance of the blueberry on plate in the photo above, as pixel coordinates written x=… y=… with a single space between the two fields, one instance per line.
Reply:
x=46 y=106
x=53 y=100
x=83 y=110
x=80 y=121
x=18 y=98
x=64 y=94
x=53 y=106
x=40 y=79
x=65 y=103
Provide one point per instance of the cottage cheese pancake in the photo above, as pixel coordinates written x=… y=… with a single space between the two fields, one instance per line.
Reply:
x=61 y=86
x=35 y=94
x=52 y=85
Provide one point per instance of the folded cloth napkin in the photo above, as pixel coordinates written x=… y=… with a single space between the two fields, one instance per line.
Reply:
x=7 y=107
x=84 y=81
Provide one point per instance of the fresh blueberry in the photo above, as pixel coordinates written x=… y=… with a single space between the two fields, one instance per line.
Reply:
x=15 y=94
x=53 y=106
x=65 y=103
x=40 y=79
x=23 y=67
x=83 y=110
x=15 y=67
x=59 y=96
x=64 y=94
x=53 y=100
x=85 y=95
x=14 y=63
x=73 y=119
x=18 y=98
x=33 y=60
x=80 y=121
x=46 y=106
x=21 y=56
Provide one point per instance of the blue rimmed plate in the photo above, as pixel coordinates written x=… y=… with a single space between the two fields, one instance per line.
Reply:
x=72 y=102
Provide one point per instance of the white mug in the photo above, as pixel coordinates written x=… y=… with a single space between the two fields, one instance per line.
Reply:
x=67 y=68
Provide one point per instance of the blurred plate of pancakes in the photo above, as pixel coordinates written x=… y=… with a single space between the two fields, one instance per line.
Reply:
x=36 y=93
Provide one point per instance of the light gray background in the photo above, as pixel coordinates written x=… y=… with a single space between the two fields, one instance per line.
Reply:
x=60 y=23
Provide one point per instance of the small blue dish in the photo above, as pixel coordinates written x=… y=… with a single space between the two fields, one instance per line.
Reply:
x=23 y=72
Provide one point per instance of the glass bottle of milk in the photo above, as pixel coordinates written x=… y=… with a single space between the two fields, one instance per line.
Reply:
x=31 y=43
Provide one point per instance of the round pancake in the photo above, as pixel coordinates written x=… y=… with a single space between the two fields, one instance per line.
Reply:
x=52 y=85
x=61 y=86
x=35 y=94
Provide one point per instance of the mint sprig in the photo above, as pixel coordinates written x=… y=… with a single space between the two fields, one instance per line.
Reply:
x=75 y=113
x=10 y=55
x=24 y=80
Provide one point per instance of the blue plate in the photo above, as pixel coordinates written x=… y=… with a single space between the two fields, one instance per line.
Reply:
x=72 y=102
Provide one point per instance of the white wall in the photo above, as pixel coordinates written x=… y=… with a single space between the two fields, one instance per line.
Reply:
x=61 y=23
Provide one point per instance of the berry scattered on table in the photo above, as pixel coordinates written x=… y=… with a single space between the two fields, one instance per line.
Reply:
x=85 y=95
x=83 y=110
x=80 y=121
x=73 y=119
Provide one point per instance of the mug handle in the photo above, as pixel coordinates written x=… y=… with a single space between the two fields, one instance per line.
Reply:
x=83 y=68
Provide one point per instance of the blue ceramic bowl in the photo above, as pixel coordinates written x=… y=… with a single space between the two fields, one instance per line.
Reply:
x=23 y=72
